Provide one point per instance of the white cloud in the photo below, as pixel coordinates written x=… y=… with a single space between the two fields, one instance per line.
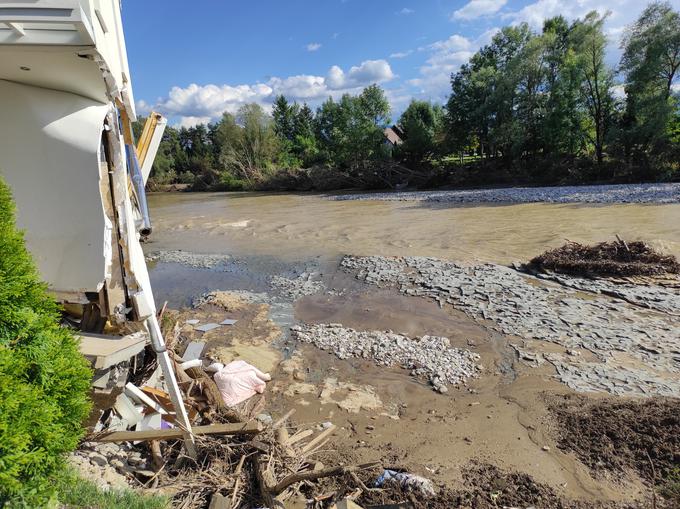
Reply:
x=142 y=107
x=192 y=121
x=401 y=54
x=313 y=46
x=618 y=91
x=202 y=103
x=446 y=57
x=454 y=43
x=406 y=11
x=370 y=71
x=477 y=8
x=623 y=12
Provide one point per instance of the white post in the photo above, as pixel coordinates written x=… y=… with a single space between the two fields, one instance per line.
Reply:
x=181 y=417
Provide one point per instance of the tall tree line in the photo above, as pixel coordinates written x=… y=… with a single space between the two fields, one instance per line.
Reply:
x=551 y=96
x=545 y=106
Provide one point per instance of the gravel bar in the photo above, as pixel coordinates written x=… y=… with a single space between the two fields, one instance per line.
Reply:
x=615 y=193
x=429 y=357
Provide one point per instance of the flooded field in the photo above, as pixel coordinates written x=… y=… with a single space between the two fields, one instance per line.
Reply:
x=318 y=263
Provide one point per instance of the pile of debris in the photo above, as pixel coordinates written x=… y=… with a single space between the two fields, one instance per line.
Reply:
x=236 y=454
x=606 y=259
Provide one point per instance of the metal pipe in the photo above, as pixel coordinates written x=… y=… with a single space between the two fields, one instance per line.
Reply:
x=140 y=193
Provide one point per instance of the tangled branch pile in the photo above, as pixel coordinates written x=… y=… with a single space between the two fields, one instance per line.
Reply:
x=617 y=258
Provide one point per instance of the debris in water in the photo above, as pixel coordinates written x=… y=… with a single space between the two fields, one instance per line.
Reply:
x=618 y=258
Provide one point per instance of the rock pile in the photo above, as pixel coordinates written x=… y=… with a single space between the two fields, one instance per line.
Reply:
x=195 y=260
x=307 y=283
x=621 y=193
x=429 y=357
x=109 y=465
x=635 y=350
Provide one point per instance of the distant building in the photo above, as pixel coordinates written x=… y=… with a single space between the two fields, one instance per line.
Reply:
x=394 y=136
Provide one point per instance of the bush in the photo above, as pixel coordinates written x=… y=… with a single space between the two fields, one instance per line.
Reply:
x=44 y=380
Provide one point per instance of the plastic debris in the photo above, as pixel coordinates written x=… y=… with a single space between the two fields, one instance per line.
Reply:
x=409 y=481
x=238 y=381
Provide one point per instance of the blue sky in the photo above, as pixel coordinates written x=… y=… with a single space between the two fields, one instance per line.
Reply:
x=194 y=60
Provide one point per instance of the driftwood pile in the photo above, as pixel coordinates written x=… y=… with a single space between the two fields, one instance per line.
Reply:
x=243 y=461
x=606 y=259
x=265 y=470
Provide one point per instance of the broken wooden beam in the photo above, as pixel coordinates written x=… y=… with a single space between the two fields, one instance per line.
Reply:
x=246 y=428
x=106 y=351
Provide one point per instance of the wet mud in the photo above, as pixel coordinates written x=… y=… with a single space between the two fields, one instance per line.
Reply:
x=498 y=440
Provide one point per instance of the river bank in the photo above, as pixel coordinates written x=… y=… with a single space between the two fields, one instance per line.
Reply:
x=607 y=193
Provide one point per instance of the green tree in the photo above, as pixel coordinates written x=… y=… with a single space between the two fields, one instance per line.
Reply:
x=351 y=131
x=597 y=79
x=650 y=63
x=44 y=380
x=284 y=116
x=421 y=123
x=305 y=145
x=250 y=144
x=563 y=133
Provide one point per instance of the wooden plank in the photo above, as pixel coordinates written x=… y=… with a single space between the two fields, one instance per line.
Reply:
x=107 y=351
x=299 y=436
x=319 y=438
x=115 y=283
x=137 y=393
x=244 y=428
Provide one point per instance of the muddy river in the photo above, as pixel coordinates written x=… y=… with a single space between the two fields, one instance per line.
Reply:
x=292 y=227
x=285 y=250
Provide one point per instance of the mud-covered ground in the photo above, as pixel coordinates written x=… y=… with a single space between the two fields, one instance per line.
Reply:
x=509 y=430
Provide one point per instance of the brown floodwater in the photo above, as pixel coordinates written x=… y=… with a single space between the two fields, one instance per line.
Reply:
x=301 y=226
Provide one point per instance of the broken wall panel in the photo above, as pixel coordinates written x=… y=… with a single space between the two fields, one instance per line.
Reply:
x=50 y=157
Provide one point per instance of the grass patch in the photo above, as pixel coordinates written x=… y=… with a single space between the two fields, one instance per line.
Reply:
x=76 y=493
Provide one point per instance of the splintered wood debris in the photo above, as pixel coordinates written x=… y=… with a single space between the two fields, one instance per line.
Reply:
x=245 y=458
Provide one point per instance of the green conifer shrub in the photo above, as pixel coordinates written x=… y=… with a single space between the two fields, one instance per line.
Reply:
x=44 y=380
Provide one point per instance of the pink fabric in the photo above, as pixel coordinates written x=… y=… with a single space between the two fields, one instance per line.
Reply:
x=238 y=381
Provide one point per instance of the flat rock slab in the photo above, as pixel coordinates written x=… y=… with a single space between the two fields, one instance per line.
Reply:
x=207 y=327
x=193 y=351
x=632 y=348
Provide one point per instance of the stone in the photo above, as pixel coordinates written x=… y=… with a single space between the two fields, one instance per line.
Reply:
x=117 y=464
x=265 y=419
x=615 y=319
x=98 y=459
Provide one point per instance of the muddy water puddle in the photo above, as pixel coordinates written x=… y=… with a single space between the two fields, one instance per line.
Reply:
x=499 y=417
